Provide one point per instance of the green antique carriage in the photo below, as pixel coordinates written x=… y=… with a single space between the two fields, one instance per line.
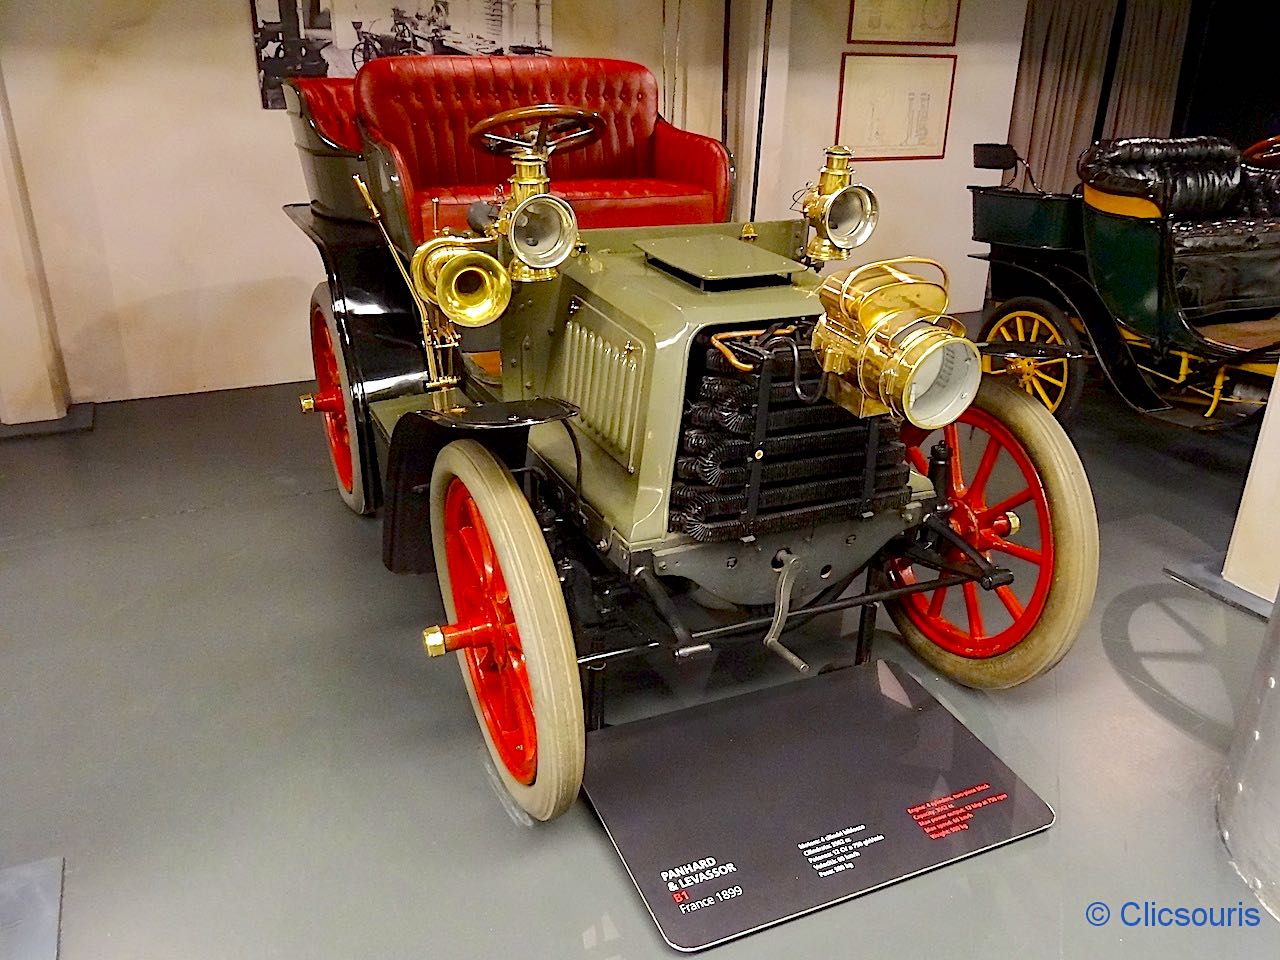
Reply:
x=1166 y=261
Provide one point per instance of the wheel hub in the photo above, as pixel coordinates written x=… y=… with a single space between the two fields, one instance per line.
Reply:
x=992 y=478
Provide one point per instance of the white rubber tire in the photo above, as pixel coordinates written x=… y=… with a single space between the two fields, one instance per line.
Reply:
x=538 y=605
x=1075 y=533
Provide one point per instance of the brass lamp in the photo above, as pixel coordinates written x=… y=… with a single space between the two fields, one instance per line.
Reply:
x=842 y=213
x=541 y=229
x=890 y=346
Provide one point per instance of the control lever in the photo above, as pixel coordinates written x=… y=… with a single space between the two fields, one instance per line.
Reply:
x=791 y=566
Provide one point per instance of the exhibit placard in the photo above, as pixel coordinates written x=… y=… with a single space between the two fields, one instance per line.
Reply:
x=736 y=815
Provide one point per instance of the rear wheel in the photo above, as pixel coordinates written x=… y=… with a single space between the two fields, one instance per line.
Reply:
x=1019 y=494
x=510 y=627
x=1058 y=384
x=334 y=401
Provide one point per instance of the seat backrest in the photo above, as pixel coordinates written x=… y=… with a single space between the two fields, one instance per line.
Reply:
x=1190 y=177
x=331 y=102
x=1260 y=191
x=426 y=106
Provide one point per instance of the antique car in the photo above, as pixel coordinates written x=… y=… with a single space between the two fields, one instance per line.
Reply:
x=682 y=436
x=1165 y=261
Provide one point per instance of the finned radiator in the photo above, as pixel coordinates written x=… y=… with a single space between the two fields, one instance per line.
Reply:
x=603 y=379
x=756 y=459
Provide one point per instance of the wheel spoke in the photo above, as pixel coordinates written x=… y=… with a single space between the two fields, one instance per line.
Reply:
x=524 y=706
x=1018 y=550
x=917 y=460
x=973 y=609
x=952 y=436
x=936 y=600
x=484 y=545
x=1035 y=328
x=1004 y=332
x=1010 y=502
x=1010 y=601
x=475 y=554
x=1044 y=376
x=985 y=466
x=1035 y=384
x=1018 y=320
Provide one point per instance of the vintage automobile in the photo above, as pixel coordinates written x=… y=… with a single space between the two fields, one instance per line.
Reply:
x=1166 y=260
x=686 y=436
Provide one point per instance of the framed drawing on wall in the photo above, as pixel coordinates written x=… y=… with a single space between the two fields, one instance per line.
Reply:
x=895 y=106
x=922 y=22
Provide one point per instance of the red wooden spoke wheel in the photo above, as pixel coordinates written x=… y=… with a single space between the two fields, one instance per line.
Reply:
x=485 y=631
x=1020 y=496
x=334 y=401
x=509 y=625
x=329 y=401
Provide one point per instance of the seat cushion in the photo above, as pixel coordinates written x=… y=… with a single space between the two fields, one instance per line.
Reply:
x=598 y=203
x=1259 y=192
x=1226 y=235
x=1226 y=264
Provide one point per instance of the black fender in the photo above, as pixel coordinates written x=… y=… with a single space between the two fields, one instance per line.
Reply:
x=1056 y=279
x=416 y=441
x=374 y=314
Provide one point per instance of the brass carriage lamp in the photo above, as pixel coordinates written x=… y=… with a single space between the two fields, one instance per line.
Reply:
x=541 y=229
x=890 y=346
x=842 y=213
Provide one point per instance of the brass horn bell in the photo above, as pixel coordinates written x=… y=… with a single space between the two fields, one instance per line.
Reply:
x=469 y=286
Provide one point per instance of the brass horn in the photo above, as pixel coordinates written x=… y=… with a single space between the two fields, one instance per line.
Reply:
x=469 y=286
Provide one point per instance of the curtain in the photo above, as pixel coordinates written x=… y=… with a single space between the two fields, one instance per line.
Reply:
x=1055 y=102
x=1146 y=77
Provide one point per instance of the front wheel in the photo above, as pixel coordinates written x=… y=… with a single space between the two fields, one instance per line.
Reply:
x=1019 y=494
x=1058 y=384
x=511 y=629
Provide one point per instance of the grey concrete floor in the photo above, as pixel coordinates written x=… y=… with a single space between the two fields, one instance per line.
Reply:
x=214 y=706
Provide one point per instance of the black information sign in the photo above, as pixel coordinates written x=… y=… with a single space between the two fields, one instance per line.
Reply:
x=736 y=815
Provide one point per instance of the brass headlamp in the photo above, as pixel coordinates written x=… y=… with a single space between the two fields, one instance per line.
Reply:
x=892 y=348
x=541 y=229
x=842 y=213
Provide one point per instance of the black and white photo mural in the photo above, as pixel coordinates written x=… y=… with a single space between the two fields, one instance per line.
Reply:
x=316 y=38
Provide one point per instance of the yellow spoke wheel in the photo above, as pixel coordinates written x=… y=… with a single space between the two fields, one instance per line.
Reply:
x=1057 y=384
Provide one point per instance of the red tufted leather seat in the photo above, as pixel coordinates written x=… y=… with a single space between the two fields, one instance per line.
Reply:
x=642 y=171
x=332 y=104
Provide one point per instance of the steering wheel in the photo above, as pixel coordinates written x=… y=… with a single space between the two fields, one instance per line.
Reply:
x=1264 y=154
x=547 y=128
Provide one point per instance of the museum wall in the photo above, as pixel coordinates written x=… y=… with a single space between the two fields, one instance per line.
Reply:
x=156 y=181
x=924 y=206
x=31 y=382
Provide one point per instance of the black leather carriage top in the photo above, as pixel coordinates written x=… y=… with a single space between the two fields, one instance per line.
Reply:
x=1189 y=177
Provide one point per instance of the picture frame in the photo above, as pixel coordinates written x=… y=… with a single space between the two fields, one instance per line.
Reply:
x=925 y=23
x=895 y=106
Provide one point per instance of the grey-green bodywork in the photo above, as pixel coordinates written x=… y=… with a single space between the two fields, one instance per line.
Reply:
x=612 y=335
x=616 y=294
